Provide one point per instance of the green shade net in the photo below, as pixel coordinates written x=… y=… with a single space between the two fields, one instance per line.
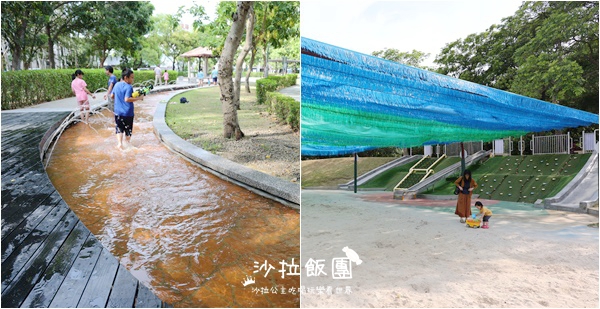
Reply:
x=353 y=102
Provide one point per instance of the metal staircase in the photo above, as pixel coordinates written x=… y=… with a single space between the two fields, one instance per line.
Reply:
x=418 y=172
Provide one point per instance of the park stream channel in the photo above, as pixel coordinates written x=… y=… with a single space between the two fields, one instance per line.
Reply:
x=190 y=236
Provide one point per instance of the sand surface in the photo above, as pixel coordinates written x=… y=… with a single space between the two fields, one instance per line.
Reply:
x=421 y=256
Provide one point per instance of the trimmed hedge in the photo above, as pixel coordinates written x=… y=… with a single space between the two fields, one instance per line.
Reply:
x=264 y=86
x=273 y=83
x=29 y=87
x=285 y=108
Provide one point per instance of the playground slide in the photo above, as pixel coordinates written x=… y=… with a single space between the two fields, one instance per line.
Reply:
x=429 y=181
x=376 y=171
x=583 y=188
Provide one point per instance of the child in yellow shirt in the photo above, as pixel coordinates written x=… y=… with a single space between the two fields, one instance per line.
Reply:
x=485 y=213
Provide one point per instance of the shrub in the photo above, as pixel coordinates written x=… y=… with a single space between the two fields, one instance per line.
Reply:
x=285 y=108
x=293 y=118
x=273 y=83
x=290 y=79
x=29 y=87
x=263 y=86
x=278 y=79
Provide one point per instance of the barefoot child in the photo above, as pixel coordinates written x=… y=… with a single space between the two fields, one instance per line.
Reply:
x=122 y=93
x=200 y=79
x=485 y=213
x=112 y=81
x=166 y=77
x=81 y=94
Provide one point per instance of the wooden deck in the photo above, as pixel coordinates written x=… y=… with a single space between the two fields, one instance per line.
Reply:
x=49 y=258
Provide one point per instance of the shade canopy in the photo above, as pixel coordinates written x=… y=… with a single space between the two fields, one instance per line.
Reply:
x=352 y=102
x=199 y=52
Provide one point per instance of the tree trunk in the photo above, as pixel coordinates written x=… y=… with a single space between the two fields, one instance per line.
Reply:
x=16 y=58
x=5 y=56
x=250 y=69
x=103 y=56
x=62 y=56
x=50 y=46
x=266 y=60
x=231 y=126
x=241 y=57
x=264 y=40
x=17 y=50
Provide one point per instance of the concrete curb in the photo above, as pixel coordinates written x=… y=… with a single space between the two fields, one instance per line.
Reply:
x=268 y=186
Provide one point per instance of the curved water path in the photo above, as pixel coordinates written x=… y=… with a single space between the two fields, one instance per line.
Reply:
x=189 y=235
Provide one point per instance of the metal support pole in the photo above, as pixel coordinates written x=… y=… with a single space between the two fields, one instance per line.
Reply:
x=462 y=158
x=521 y=145
x=355 y=171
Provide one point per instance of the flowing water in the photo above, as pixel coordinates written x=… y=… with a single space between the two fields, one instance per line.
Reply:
x=185 y=233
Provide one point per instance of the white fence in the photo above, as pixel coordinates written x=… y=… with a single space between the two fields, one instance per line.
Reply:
x=551 y=144
x=589 y=140
x=453 y=150
x=502 y=146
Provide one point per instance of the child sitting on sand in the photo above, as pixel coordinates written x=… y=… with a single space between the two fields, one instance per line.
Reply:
x=485 y=213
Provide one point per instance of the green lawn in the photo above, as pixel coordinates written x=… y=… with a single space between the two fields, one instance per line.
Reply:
x=390 y=178
x=201 y=121
x=332 y=172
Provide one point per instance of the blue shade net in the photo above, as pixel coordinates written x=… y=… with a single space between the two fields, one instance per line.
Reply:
x=352 y=102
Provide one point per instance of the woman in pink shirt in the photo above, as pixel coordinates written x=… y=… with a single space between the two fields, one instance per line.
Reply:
x=80 y=89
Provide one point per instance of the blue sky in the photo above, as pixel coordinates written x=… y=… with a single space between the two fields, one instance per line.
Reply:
x=366 y=26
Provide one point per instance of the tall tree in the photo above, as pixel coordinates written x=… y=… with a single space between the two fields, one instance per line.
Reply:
x=242 y=56
x=213 y=34
x=413 y=58
x=63 y=18
x=22 y=24
x=170 y=38
x=232 y=42
x=277 y=21
x=546 y=50
x=120 y=25
x=551 y=64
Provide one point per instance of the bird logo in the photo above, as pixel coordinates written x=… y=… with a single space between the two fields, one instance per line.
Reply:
x=352 y=255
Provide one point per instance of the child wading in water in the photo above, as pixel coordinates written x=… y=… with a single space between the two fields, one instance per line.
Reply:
x=485 y=213
x=122 y=93
x=81 y=94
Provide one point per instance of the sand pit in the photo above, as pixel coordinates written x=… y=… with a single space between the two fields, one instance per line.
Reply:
x=415 y=256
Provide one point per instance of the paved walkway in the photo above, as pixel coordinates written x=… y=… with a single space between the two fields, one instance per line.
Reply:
x=49 y=257
x=70 y=104
x=293 y=91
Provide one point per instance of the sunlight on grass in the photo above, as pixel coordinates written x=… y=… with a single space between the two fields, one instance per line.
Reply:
x=201 y=120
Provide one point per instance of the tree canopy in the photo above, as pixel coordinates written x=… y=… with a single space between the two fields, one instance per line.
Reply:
x=413 y=58
x=546 y=50
x=28 y=27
